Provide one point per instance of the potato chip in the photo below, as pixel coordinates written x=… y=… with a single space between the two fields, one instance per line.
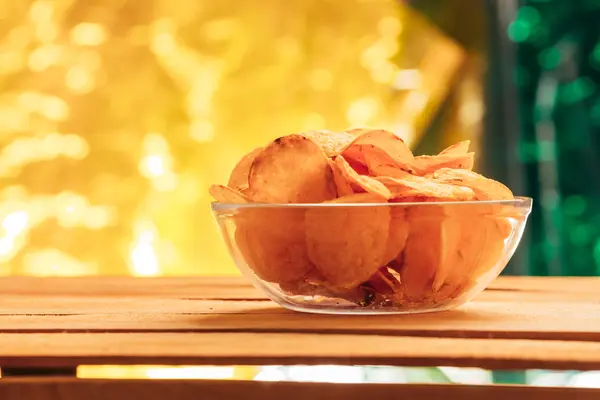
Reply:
x=371 y=160
x=224 y=194
x=484 y=188
x=347 y=244
x=383 y=281
x=481 y=235
x=358 y=183
x=359 y=168
x=380 y=147
x=458 y=149
x=292 y=169
x=272 y=242
x=239 y=175
x=389 y=171
x=432 y=242
x=481 y=247
x=455 y=156
x=245 y=190
x=453 y=223
x=342 y=184
x=505 y=216
x=332 y=143
x=399 y=228
x=411 y=188
x=424 y=165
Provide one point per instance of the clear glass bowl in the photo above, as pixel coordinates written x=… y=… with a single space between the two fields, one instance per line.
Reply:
x=372 y=258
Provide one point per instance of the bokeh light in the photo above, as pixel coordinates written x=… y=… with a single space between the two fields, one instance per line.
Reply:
x=116 y=117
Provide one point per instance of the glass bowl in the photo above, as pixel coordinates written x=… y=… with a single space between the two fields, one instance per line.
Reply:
x=372 y=258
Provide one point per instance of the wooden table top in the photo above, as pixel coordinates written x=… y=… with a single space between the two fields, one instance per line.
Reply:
x=518 y=323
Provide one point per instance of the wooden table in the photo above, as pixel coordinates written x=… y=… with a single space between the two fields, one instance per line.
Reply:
x=49 y=326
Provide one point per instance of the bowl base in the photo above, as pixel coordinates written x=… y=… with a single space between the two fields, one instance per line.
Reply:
x=331 y=307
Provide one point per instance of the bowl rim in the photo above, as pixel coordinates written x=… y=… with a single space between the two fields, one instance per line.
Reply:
x=524 y=203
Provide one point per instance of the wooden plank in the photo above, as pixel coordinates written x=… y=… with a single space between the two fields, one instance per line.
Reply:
x=61 y=304
x=232 y=287
x=64 y=350
x=70 y=305
x=199 y=287
x=153 y=316
x=570 y=284
x=508 y=318
x=71 y=389
x=14 y=304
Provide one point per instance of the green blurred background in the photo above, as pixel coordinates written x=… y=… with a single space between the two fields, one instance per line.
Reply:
x=116 y=116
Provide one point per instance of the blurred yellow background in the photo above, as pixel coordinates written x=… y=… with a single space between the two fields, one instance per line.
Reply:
x=116 y=115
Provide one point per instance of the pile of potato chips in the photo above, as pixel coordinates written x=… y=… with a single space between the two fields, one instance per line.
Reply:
x=372 y=255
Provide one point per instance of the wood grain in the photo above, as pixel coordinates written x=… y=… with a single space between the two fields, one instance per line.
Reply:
x=12 y=304
x=72 y=389
x=63 y=350
x=106 y=286
x=476 y=321
x=233 y=287
x=63 y=322
x=518 y=308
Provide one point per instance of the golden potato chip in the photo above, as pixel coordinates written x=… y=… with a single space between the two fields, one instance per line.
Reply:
x=432 y=242
x=384 y=282
x=361 y=169
x=224 y=194
x=458 y=149
x=342 y=184
x=375 y=147
x=245 y=190
x=482 y=232
x=389 y=171
x=239 y=175
x=332 y=143
x=399 y=228
x=506 y=216
x=358 y=183
x=272 y=242
x=371 y=160
x=484 y=188
x=292 y=169
x=424 y=165
x=455 y=156
x=491 y=241
x=347 y=244
x=453 y=222
x=423 y=189
x=482 y=243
